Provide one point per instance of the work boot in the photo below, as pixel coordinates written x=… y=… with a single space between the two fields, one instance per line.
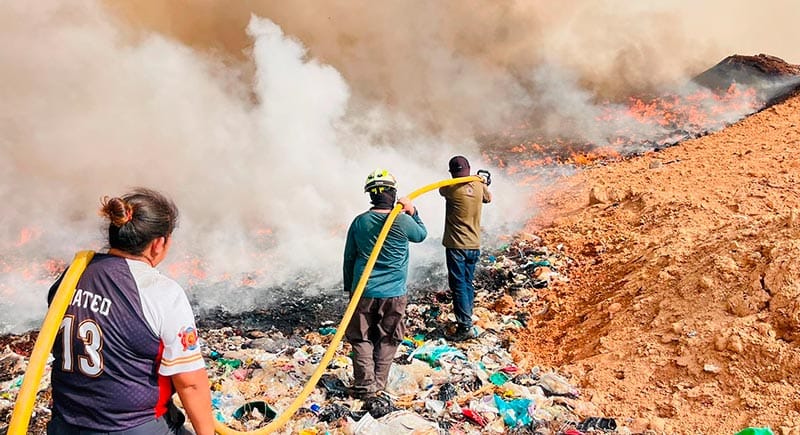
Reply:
x=378 y=405
x=361 y=393
x=463 y=333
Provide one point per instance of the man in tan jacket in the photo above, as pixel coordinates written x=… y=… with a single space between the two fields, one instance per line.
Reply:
x=462 y=241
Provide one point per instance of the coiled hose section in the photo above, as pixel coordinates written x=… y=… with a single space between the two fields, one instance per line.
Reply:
x=22 y=408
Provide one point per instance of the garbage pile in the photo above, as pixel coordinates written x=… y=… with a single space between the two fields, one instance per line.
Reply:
x=435 y=386
x=14 y=353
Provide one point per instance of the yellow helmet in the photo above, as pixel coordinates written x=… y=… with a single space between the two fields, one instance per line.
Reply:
x=379 y=180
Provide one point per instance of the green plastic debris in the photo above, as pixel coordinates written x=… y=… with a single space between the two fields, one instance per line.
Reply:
x=498 y=378
x=433 y=350
x=232 y=363
x=17 y=383
x=756 y=431
x=535 y=264
x=327 y=330
x=515 y=413
x=515 y=322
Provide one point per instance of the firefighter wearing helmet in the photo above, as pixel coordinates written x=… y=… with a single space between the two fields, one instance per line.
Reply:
x=379 y=180
x=377 y=326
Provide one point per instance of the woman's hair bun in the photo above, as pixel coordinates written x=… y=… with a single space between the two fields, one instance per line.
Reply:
x=116 y=210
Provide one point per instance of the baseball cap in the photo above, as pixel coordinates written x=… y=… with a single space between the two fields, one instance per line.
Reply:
x=459 y=165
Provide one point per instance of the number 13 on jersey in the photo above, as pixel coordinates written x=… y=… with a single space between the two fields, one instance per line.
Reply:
x=90 y=360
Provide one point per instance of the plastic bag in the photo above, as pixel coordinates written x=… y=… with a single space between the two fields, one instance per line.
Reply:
x=434 y=350
x=515 y=413
x=756 y=431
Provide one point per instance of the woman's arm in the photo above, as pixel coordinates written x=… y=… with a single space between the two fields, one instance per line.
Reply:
x=192 y=388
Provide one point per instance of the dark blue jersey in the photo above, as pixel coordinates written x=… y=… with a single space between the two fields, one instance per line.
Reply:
x=125 y=331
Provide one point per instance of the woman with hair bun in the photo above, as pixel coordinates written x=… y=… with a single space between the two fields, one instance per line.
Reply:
x=128 y=340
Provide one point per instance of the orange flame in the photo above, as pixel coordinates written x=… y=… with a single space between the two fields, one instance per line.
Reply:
x=641 y=124
x=26 y=235
x=191 y=267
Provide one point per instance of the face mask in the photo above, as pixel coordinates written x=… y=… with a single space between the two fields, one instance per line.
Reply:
x=383 y=200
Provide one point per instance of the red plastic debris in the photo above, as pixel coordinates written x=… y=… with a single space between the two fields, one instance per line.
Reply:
x=474 y=417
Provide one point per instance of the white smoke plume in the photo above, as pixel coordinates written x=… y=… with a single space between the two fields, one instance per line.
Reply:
x=456 y=66
x=267 y=172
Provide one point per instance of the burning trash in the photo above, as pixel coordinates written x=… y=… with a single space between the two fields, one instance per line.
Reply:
x=434 y=385
x=260 y=360
x=473 y=386
x=228 y=107
x=734 y=88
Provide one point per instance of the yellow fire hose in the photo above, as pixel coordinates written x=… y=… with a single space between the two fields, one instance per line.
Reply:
x=27 y=394
x=21 y=415
x=348 y=313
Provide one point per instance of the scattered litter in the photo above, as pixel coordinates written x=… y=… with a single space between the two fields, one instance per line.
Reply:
x=515 y=413
x=334 y=387
x=600 y=423
x=378 y=406
x=434 y=386
x=474 y=417
x=333 y=412
x=499 y=378
x=254 y=413
x=755 y=431
x=447 y=392
x=327 y=330
x=555 y=385
x=434 y=351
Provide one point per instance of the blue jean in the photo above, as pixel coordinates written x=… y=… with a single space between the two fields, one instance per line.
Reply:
x=460 y=273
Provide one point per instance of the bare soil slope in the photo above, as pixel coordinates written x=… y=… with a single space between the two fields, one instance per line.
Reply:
x=682 y=314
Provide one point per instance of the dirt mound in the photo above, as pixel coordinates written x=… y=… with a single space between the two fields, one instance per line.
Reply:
x=772 y=77
x=746 y=70
x=683 y=309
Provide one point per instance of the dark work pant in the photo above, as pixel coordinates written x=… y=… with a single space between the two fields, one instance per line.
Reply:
x=374 y=332
x=170 y=423
x=460 y=273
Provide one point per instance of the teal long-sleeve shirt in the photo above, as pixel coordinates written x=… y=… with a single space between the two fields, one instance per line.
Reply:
x=388 y=277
